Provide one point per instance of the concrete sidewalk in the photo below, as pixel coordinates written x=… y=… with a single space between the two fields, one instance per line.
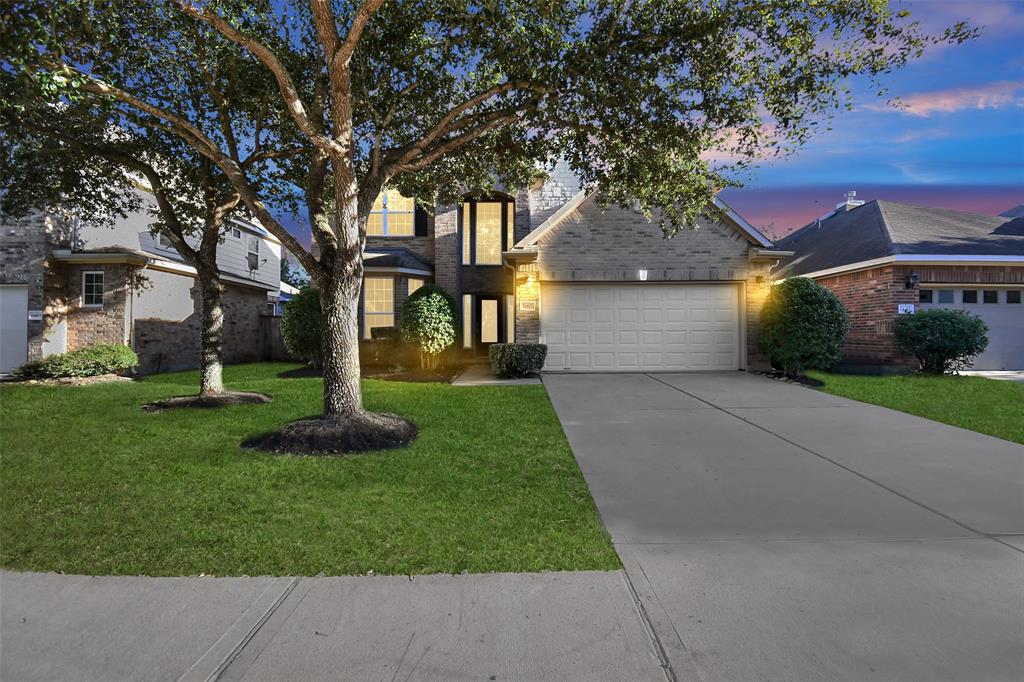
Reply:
x=526 y=626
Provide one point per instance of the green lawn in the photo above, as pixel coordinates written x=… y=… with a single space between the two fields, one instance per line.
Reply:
x=976 y=403
x=91 y=484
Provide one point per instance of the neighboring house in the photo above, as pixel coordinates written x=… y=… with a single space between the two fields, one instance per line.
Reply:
x=883 y=258
x=66 y=284
x=601 y=287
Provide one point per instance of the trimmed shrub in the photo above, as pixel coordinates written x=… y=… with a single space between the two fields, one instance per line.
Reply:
x=300 y=326
x=509 y=360
x=941 y=340
x=103 y=358
x=803 y=325
x=428 y=321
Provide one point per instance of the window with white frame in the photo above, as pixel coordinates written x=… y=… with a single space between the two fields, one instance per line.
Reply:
x=236 y=233
x=163 y=240
x=92 y=289
x=378 y=304
x=392 y=215
x=252 y=256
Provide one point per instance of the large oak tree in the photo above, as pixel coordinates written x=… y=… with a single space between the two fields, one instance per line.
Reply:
x=441 y=96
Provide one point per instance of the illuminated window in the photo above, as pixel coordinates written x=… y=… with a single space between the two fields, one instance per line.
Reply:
x=467 y=244
x=488 y=233
x=510 y=225
x=392 y=215
x=467 y=321
x=378 y=304
x=414 y=284
x=92 y=289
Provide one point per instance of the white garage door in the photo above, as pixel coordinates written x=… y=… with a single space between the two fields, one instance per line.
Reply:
x=13 y=327
x=640 y=327
x=1001 y=309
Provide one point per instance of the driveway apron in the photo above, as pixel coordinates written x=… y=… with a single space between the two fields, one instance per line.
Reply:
x=771 y=531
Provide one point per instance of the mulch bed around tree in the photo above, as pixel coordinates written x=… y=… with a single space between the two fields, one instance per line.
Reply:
x=208 y=401
x=342 y=435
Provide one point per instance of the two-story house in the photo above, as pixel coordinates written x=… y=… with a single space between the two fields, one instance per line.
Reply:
x=601 y=287
x=66 y=284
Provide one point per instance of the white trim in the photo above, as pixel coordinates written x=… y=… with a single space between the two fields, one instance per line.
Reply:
x=103 y=289
x=558 y=216
x=922 y=259
x=403 y=271
x=751 y=231
x=553 y=220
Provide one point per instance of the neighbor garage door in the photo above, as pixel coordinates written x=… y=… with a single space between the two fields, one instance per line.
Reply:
x=1001 y=309
x=13 y=326
x=640 y=326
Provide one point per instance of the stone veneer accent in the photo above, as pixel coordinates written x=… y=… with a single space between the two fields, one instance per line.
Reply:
x=871 y=298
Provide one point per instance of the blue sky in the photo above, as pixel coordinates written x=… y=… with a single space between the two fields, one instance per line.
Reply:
x=958 y=141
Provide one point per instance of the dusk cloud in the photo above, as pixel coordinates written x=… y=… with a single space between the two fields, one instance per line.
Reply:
x=989 y=96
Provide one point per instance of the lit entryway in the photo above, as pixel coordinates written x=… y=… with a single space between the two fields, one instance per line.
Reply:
x=656 y=326
x=13 y=326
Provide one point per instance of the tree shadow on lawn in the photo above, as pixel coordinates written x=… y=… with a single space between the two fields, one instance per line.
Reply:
x=208 y=401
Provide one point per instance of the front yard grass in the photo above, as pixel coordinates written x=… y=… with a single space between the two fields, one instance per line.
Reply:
x=975 y=403
x=91 y=484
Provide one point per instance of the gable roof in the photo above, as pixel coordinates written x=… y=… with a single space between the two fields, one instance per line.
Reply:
x=577 y=200
x=881 y=229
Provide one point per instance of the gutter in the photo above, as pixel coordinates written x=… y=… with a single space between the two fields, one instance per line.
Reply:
x=921 y=259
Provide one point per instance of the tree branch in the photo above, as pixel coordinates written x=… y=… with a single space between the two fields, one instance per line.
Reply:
x=289 y=93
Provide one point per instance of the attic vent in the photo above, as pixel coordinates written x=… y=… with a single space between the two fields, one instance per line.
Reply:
x=851 y=201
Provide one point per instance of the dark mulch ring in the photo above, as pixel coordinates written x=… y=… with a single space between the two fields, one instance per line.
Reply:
x=208 y=401
x=802 y=380
x=341 y=435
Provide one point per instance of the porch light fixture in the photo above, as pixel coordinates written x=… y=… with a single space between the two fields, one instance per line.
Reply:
x=642 y=274
x=912 y=279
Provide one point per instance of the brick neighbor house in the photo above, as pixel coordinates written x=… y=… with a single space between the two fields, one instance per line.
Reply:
x=65 y=284
x=601 y=287
x=884 y=258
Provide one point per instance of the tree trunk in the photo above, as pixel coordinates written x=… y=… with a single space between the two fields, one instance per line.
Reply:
x=212 y=346
x=339 y=327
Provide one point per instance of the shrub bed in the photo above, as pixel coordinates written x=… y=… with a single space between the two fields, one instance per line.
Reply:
x=943 y=341
x=803 y=324
x=509 y=360
x=103 y=358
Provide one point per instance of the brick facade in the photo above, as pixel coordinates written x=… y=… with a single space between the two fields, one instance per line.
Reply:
x=173 y=344
x=110 y=323
x=871 y=298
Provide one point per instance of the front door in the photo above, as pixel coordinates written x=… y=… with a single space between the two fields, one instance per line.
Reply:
x=489 y=322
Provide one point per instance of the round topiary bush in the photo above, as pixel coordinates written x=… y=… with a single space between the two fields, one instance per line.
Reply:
x=803 y=325
x=428 y=320
x=300 y=326
x=91 y=361
x=941 y=340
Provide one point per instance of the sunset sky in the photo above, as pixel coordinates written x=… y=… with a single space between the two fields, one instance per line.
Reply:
x=958 y=141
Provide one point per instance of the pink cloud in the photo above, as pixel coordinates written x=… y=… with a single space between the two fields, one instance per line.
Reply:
x=989 y=96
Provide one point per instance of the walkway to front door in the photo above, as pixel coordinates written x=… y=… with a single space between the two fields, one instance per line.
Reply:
x=775 y=532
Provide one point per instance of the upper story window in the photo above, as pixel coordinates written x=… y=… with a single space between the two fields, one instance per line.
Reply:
x=236 y=233
x=163 y=241
x=252 y=256
x=392 y=215
x=92 y=289
x=488 y=228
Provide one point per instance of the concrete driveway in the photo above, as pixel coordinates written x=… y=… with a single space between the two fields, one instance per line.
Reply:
x=775 y=532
